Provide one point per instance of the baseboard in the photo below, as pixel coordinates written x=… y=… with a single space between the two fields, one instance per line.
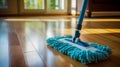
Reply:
x=103 y=13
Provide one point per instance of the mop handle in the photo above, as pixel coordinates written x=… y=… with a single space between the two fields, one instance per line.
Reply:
x=79 y=24
x=84 y=6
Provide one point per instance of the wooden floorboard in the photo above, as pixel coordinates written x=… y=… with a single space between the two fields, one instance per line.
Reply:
x=16 y=54
x=4 y=45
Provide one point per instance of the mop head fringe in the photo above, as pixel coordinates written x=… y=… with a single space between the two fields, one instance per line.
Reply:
x=89 y=53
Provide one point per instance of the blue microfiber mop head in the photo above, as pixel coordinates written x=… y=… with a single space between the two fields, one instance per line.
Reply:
x=80 y=52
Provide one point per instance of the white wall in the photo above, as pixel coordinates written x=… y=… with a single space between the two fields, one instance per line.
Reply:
x=79 y=5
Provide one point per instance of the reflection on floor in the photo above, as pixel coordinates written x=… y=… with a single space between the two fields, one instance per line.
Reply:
x=22 y=41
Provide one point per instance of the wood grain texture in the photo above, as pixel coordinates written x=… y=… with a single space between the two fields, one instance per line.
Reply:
x=17 y=56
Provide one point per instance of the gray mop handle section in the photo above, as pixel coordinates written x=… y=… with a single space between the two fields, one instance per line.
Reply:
x=84 y=6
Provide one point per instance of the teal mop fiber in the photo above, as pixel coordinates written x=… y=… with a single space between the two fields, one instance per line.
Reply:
x=85 y=52
x=85 y=56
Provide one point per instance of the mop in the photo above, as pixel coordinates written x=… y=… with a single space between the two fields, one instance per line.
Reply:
x=85 y=52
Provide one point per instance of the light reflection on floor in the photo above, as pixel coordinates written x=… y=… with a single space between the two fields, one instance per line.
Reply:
x=67 y=26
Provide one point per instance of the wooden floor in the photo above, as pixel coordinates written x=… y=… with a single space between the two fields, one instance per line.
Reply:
x=22 y=40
